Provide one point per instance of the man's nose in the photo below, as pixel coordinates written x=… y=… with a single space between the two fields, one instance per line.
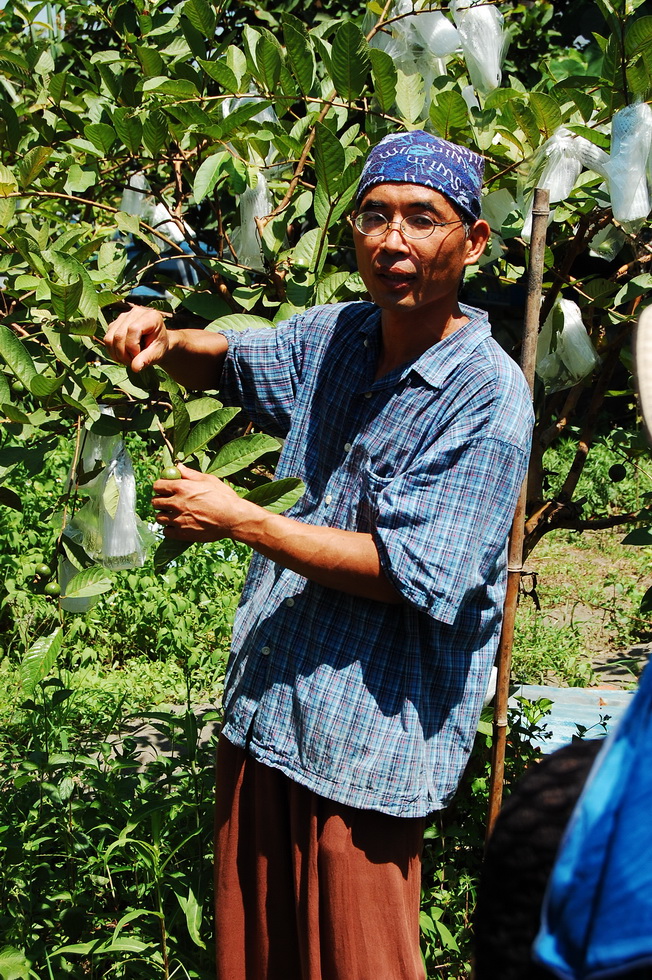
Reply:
x=394 y=235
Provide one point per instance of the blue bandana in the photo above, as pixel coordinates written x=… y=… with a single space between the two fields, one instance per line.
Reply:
x=420 y=158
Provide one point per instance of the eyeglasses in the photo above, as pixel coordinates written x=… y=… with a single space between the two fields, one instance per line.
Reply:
x=370 y=223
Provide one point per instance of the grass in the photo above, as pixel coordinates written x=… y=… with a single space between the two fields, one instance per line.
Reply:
x=589 y=588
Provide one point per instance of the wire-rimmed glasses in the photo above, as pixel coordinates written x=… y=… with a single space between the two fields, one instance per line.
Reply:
x=372 y=223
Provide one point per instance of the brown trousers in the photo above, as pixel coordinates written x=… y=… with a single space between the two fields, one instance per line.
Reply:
x=308 y=889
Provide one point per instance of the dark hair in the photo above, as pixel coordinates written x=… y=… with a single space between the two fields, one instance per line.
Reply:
x=518 y=862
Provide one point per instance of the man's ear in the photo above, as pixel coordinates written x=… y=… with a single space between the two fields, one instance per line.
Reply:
x=476 y=241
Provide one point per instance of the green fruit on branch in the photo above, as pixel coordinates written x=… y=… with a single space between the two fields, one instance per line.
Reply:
x=43 y=570
x=171 y=473
x=52 y=589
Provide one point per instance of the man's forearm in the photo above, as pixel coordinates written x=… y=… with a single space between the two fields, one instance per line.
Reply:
x=343 y=560
x=195 y=358
x=200 y=507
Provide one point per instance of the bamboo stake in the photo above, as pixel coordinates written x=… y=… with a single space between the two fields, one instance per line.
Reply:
x=540 y=213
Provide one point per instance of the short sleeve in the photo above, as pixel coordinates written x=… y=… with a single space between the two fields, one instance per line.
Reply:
x=262 y=373
x=441 y=527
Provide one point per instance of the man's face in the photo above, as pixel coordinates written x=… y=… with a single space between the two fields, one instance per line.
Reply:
x=408 y=275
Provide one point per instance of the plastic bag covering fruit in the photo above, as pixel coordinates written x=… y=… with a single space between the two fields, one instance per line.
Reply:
x=256 y=202
x=484 y=41
x=420 y=41
x=631 y=141
x=107 y=526
x=137 y=200
x=643 y=367
x=565 y=354
x=557 y=164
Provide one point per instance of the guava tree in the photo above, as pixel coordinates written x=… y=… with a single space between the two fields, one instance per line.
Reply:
x=203 y=157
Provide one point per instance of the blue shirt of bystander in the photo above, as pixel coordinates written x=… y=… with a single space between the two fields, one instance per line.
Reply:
x=367 y=703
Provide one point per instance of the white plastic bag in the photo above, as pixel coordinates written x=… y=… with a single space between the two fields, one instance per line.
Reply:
x=107 y=526
x=565 y=354
x=631 y=143
x=256 y=202
x=558 y=163
x=420 y=41
x=138 y=200
x=481 y=27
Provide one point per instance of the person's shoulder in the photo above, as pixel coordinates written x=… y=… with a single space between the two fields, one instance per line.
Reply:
x=493 y=361
x=350 y=314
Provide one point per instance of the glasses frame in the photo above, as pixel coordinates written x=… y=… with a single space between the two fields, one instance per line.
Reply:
x=400 y=226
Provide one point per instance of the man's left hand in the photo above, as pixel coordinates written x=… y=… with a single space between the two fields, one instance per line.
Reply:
x=198 y=507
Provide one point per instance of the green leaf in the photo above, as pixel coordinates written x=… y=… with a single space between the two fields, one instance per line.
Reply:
x=181 y=421
x=307 y=253
x=329 y=159
x=89 y=582
x=299 y=52
x=410 y=96
x=638 y=37
x=7 y=210
x=350 y=62
x=16 y=356
x=449 y=112
x=208 y=175
x=12 y=125
x=8 y=182
x=547 y=113
x=220 y=72
x=150 y=59
x=155 y=132
x=202 y=17
x=239 y=321
x=210 y=306
x=206 y=430
x=193 y=913
x=168 y=551
x=129 y=129
x=98 y=948
x=278 y=495
x=43 y=387
x=101 y=135
x=242 y=452
x=14 y=965
x=9 y=498
x=111 y=496
x=384 y=78
x=641 y=536
x=32 y=164
x=39 y=660
x=638 y=286
x=268 y=62
x=646 y=602
x=66 y=298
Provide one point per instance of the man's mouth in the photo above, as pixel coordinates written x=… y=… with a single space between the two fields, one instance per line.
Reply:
x=395 y=278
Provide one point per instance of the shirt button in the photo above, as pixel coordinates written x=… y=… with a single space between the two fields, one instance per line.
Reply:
x=366 y=341
x=347 y=447
x=328 y=498
x=289 y=602
x=266 y=651
x=368 y=394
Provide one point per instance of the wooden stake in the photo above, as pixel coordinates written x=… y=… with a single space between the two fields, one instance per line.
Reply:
x=540 y=213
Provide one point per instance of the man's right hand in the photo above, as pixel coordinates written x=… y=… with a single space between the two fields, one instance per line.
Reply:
x=138 y=338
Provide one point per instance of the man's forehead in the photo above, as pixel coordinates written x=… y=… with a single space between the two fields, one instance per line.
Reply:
x=407 y=196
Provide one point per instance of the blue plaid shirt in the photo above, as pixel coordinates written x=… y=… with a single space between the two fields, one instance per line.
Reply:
x=371 y=704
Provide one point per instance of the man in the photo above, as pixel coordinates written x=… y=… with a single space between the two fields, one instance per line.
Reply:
x=368 y=625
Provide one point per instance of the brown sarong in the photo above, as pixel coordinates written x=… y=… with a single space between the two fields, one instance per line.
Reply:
x=309 y=889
